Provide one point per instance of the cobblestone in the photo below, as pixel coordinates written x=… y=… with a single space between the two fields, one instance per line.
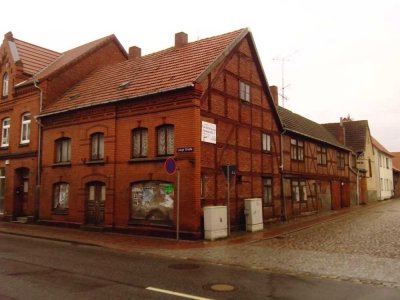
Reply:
x=361 y=247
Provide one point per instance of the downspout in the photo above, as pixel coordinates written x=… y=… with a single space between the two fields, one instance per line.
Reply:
x=283 y=201
x=357 y=173
x=39 y=155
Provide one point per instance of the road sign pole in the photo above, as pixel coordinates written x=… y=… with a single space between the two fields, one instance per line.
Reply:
x=178 y=177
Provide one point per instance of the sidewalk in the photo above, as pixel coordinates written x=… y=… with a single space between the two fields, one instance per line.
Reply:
x=131 y=243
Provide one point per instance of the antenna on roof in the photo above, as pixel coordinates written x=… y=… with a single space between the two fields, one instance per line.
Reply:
x=283 y=59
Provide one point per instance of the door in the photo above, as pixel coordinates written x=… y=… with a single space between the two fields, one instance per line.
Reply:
x=21 y=192
x=96 y=197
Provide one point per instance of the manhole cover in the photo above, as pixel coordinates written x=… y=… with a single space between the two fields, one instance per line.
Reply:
x=184 y=266
x=220 y=287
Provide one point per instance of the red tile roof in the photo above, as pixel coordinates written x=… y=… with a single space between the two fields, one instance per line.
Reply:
x=356 y=133
x=170 y=69
x=34 y=58
x=379 y=146
x=70 y=57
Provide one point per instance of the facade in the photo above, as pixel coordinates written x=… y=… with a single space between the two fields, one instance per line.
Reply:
x=110 y=144
x=356 y=136
x=384 y=169
x=31 y=76
x=396 y=174
x=97 y=129
x=316 y=169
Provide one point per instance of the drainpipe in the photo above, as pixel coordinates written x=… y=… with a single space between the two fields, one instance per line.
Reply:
x=357 y=173
x=283 y=201
x=39 y=155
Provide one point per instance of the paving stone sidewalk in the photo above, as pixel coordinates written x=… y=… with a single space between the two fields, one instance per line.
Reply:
x=360 y=247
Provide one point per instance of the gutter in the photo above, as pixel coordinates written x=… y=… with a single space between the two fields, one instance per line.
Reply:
x=39 y=155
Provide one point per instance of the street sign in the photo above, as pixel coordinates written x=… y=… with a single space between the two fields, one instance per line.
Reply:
x=170 y=166
x=185 y=149
x=229 y=170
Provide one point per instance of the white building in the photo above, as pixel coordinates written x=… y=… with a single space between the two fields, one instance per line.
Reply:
x=384 y=170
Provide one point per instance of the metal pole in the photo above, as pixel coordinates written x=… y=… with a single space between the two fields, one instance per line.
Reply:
x=178 y=175
x=228 y=211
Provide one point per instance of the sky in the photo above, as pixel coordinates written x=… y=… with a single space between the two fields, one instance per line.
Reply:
x=335 y=58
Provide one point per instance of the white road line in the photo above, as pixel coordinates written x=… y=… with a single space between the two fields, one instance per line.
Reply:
x=176 y=293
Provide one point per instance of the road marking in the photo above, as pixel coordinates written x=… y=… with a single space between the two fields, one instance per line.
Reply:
x=176 y=293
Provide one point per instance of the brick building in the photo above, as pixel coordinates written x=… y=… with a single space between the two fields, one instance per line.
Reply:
x=109 y=120
x=31 y=77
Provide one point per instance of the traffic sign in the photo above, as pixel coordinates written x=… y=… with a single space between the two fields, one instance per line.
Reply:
x=170 y=166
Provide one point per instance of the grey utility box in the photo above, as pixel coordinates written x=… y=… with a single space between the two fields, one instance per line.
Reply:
x=215 y=222
x=254 y=214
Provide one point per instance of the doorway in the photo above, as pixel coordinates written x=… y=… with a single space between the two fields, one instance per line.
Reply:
x=95 y=200
x=21 y=192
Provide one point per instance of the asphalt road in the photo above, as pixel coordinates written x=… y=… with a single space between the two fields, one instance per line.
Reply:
x=42 y=269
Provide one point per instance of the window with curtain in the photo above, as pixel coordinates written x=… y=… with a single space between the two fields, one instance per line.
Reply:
x=165 y=140
x=63 y=150
x=97 y=146
x=139 y=142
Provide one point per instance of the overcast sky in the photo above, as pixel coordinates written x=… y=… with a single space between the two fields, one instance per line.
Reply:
x=341 y=57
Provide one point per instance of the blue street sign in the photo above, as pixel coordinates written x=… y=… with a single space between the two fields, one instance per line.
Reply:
x=170 y=166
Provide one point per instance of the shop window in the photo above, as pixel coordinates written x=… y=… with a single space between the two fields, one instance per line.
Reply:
x=165 y=140
x=267 y=192
x=61 y=196
x=139 y=142
x=63 y=150
x=25 y=128
x=5 y=132
x=97 y=146
x=152 y=202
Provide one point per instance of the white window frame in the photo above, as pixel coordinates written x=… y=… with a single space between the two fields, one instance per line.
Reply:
x=25 y=128
x=266 y=142
x=244 y=91
x=5 y=85
x=5 y=132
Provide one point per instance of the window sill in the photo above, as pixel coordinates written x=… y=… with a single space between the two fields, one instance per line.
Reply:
x=60 y=212
x=21 y=145
x=61 y=164
x=4 y=147
x=266 y=152
x=96 y=162
x=245 y=102
x=147 y=160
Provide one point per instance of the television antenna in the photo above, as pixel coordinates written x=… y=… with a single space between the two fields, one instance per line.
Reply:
x=284 y=59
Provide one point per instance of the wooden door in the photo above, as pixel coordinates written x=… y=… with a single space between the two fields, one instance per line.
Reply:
x=96 y=197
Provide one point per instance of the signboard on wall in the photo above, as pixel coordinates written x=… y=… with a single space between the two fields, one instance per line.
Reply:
x=208 y=132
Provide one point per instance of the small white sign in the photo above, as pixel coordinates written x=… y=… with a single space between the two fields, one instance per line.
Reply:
x=208 y=132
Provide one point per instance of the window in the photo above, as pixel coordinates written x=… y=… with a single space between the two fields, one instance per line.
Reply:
x=97 y=146
x=63 y=150
x=5 y=85
x=387 y=163
x=266 y=142
x=321 y=155
x=244 y=90
x=340 y=158
x=267 y=192
x=5 y=132
x=296 y=149
x=165 y=140
x=60 y=196
x=299 y=190
x=139 y=142
x=25 y=128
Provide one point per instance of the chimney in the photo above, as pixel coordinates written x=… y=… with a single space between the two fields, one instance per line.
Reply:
x=9 y=36
x=274 y=93
x=181 y=39
x=134 y=52
x=341 y=133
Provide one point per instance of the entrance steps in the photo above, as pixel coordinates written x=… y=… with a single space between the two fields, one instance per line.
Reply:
x=22 y=220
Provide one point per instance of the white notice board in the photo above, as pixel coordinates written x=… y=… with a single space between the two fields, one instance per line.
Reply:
x=208 y=132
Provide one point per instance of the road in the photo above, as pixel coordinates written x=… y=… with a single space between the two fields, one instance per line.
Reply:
x=43 y=269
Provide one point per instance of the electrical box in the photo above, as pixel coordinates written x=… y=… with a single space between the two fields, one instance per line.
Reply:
x=215 y=222
x=253 y=211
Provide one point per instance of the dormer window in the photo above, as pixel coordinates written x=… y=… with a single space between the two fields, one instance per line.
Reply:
x=5 y=85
